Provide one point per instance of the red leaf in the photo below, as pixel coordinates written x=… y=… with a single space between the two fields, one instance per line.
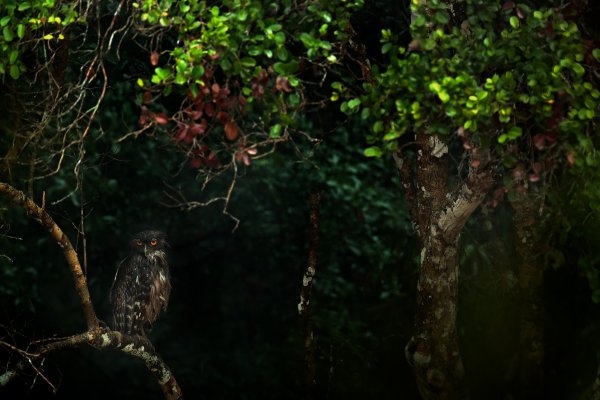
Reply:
x=520 y=13
x=242 y=101
x=143 y=119
x=498 y=195
x=161 y=118
x=209 y=109
x=539 y=141
x=231 y=131
x=196 y=163
x=508 y=5
x=247 y=159
x=154 y=58
x=467 y=145
x=196 y=114
x=414 y=45
x=147 y=97
x=475 y=163
x=518 y=172
x=181 y=133
x=460 y=131
x=534 y=178
x=215 y=89
x=252 y=151
x=570 y=158
x=223 y=117
x=537 y=167
x=281 y=83
x=197 y=129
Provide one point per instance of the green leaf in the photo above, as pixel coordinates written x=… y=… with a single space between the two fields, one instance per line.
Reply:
x=21 y=31
x=14 y=72
x=8 y=33
x=162 y=73
x=5 y=20
x=441 y=17
x=352 y=104
x=275 y=131
x=514 y=22
x=25 y=5
x=248 y=62
x=419 y=21
x=12 y=58
x=596 y=54
x=444 y=96
x=378 y=126
x=373 y=152
x=578 y=69
x=435 y=87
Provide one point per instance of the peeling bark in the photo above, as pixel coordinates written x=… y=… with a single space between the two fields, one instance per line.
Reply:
x=433 y=351
x=530 y=275
x=136 y=346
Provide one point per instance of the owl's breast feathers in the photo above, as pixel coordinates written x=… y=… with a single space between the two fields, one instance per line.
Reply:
x=159 y=285
x=140 y=291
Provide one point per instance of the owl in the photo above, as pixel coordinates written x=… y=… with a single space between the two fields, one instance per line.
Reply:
x=141 y=288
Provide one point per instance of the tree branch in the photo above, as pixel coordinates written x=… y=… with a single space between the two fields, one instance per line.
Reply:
x=468 y=196
x=44 y=219
x=136 y=346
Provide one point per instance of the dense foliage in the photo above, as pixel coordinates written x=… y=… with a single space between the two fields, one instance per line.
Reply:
x=194 y=116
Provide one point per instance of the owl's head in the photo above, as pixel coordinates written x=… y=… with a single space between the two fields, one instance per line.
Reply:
x=149 y=242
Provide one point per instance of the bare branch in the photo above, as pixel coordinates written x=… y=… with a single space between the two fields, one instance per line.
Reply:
x=44 y=219
x=136 y=346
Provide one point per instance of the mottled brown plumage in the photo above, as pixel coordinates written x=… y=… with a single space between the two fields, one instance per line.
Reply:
x=141 y=288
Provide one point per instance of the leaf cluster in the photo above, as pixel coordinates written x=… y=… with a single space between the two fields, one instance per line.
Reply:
x=507 y=74
x=24 y=23
x=241 y=65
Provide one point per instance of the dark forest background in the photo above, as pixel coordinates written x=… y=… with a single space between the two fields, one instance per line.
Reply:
x=232 y=330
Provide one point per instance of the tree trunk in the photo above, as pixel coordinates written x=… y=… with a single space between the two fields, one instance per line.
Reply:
x=440 y=216
x=530 y=276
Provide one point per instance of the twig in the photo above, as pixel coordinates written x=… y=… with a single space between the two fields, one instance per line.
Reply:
x=43 y=218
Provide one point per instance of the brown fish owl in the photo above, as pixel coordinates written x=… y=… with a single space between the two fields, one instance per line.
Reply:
x=141 y=288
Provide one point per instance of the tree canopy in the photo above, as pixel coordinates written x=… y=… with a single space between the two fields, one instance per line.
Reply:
x=452 y=145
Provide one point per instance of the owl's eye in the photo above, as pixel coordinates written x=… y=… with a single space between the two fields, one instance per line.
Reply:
x=153 y=242
x=138 y=242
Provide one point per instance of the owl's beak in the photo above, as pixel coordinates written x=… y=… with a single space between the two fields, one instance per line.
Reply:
x=145 y=250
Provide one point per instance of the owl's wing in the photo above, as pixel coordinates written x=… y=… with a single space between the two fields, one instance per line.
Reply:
x=118 y=278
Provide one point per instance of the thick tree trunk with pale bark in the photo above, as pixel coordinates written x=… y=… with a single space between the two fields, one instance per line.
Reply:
x=439 y=214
